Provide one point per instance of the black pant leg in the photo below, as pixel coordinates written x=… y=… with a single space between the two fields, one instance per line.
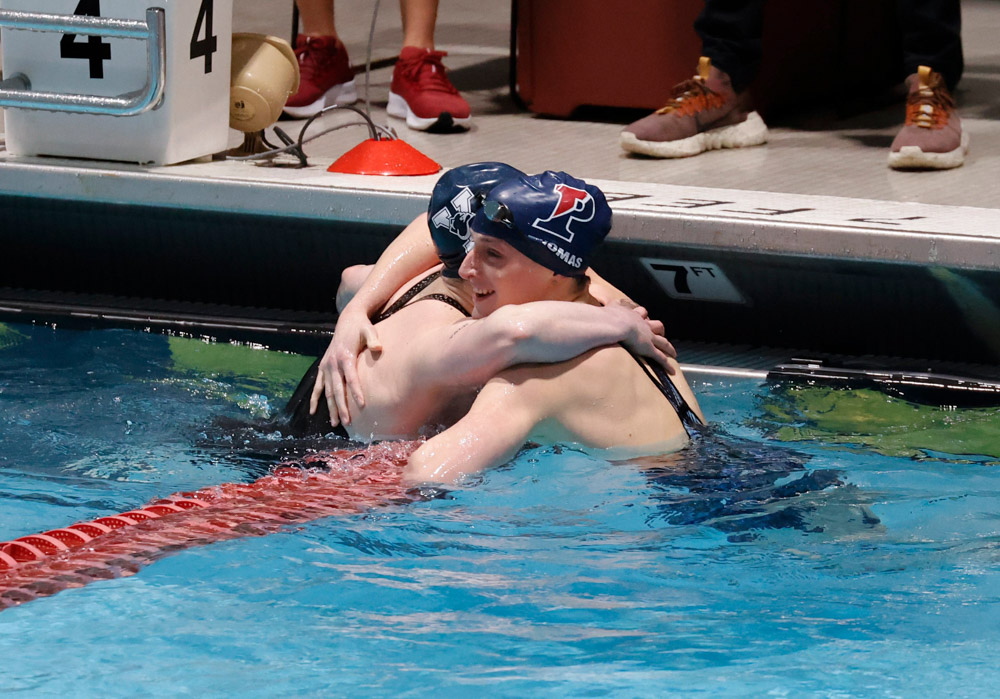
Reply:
x=730 y=32
x=932 y=36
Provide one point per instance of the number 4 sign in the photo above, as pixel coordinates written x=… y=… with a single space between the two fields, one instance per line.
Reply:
x=210 y=44
x=191 y=121
x=93 y=48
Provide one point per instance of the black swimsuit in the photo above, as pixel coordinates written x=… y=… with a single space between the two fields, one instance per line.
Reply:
x=658 y=375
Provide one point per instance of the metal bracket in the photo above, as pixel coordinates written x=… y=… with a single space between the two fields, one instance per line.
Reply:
x=16 y=90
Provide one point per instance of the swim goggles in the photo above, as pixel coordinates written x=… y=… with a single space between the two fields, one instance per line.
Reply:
x=498 y=212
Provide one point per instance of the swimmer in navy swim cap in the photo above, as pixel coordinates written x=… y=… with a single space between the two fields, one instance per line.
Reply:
x=456 y=198
x=553 y=220
x=419 y=362
x=533 y=238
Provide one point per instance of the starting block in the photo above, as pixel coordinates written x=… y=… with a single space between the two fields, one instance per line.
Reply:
x=81 y=64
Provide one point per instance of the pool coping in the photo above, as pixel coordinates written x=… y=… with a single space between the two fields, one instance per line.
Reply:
x=697 y=217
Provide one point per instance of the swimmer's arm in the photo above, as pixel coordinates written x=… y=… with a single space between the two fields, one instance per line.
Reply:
x=490 y=434
x=473 y=351
x=411 y=253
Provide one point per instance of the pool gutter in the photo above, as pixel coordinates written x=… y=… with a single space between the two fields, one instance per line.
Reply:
x=708 y=259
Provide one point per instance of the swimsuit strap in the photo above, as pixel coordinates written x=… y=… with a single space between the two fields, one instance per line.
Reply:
x=407 y=297
x=660 y=379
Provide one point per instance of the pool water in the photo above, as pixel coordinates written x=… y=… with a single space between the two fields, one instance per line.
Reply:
x=778 y=557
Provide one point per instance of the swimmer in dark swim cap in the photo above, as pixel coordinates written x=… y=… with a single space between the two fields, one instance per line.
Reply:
x=552 y=219
x=455 y=199
x=533 y=238
x=419 y=364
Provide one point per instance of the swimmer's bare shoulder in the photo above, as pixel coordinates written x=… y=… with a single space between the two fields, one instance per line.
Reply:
x=399 y=396
x=408 y=337
x=601 y=399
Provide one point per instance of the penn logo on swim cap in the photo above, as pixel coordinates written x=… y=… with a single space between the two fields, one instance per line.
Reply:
x=552 y=218
x=455 y=200
x=574 y=205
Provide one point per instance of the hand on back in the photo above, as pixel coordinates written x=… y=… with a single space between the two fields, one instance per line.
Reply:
x=338 y=370
x=647 y=337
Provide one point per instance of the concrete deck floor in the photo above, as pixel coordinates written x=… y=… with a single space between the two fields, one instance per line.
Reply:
x=809 y=153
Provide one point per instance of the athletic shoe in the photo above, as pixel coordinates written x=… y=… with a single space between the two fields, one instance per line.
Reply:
x=325 y=76
x=932 y=136
x=422 y=94
x=703 y=113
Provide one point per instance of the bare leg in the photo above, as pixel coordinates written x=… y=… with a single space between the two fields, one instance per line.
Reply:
x=317 y=17
x=421 y=92
x=324 y=67
x=419 y=18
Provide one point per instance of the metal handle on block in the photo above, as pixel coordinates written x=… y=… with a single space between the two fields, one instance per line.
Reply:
x=16 y=90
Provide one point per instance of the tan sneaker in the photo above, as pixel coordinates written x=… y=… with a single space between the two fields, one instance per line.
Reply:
x=932 y=136
x=703 y=113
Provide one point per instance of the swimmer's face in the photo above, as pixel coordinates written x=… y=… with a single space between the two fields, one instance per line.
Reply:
x=499 y=275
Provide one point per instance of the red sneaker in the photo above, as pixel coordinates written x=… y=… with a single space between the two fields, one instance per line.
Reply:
x=422 y=94
x=326 y=76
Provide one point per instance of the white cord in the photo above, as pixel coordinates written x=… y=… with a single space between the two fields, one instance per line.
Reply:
x=368 y=61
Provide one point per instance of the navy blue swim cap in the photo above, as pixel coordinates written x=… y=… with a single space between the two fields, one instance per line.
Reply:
x=457 y=196
x=553 y=219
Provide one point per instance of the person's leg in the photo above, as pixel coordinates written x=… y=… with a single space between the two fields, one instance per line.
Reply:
x=325 y=72
x=421 y=92
x=932 y=135
x=712 y=109
x=932 y=36
x=730 y=32
x=317 y=17
x=419 y=19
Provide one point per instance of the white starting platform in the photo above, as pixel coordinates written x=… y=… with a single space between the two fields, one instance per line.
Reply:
x=115 y=80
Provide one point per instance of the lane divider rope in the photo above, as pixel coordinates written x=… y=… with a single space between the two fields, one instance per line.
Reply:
x=319 y=485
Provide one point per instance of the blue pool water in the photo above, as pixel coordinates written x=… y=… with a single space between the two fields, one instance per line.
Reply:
x=834 y=565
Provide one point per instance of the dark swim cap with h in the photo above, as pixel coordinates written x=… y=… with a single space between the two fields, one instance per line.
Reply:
x=456 y=198
x=552 y=218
